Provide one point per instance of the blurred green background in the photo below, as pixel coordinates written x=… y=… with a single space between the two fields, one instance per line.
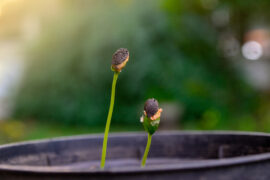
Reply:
x=206 y=61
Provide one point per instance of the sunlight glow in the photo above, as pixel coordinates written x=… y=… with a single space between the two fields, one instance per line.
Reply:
x=5 y=2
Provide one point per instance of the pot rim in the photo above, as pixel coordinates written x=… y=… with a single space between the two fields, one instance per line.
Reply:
x=213 y=163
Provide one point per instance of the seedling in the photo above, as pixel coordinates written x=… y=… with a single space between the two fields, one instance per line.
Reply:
x=150 y=121
x=119 y=60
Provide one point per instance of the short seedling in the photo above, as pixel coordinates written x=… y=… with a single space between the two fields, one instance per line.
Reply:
x=119 y=60
x=150 y=121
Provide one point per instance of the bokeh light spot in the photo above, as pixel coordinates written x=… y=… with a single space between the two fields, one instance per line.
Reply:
x=252 y=50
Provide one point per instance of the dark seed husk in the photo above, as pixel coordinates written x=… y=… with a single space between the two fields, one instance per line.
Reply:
x=151 y=107
x=120 y=56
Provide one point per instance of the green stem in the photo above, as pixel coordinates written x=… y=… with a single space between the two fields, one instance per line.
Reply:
x=107 y=128
x=146 y=150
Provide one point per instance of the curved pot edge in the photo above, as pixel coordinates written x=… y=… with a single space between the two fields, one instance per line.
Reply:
x=200 y=165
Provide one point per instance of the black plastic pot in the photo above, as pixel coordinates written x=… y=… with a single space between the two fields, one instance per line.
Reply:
x=173 y=155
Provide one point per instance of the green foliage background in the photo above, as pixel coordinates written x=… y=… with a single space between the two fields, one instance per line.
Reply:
x=173 y=57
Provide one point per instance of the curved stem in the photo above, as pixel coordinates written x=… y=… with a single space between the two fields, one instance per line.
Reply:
x=107 y=128
x=146 y=150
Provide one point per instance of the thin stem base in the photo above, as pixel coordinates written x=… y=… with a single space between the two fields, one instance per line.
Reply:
x=108 y=123
x=146 y=150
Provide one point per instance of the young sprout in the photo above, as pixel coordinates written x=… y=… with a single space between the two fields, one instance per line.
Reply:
x=150 y=120
x=119 y=60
